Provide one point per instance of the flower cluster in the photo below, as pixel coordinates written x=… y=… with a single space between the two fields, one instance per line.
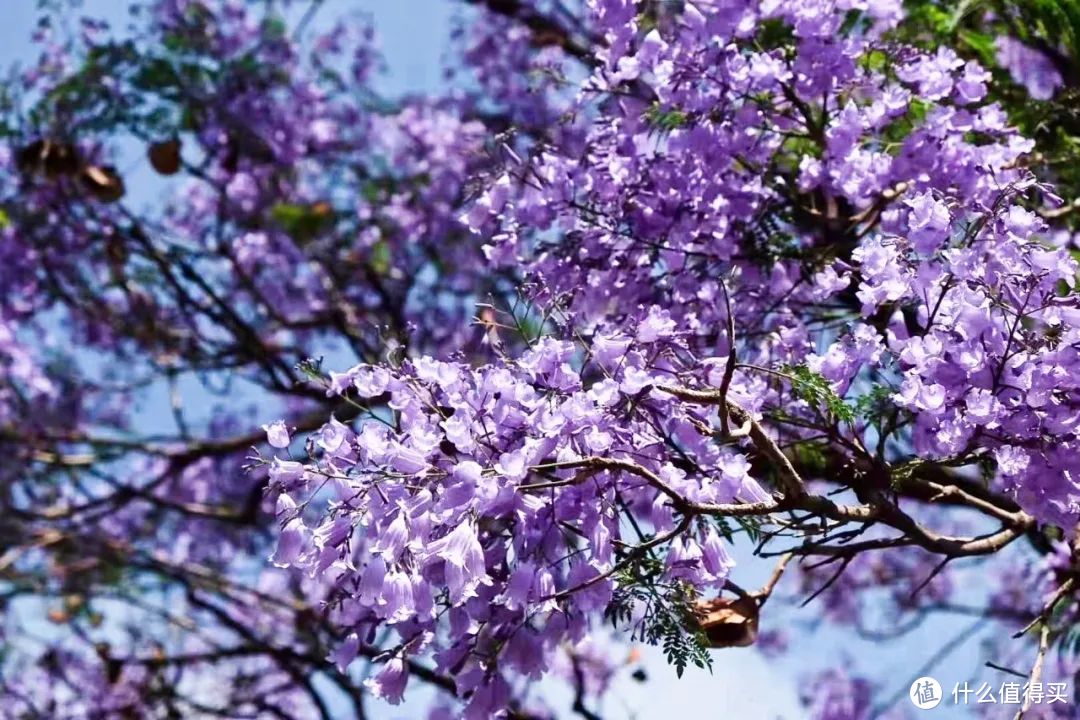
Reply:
x=771 y=202
x=503 y=501
x=750 y=268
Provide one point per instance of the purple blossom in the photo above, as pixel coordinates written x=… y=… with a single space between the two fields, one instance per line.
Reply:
x=389 y=683
x=1028 y=67
x=636 y=284
x=277 y=434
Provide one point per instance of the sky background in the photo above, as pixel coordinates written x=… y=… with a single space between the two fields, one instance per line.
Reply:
x=744 y=684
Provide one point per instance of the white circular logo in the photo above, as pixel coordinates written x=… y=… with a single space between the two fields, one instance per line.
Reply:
x=925 y=693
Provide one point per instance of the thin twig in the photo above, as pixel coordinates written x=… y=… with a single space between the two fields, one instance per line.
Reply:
x=1044 y=616
x=1036 y=669
x=766 y=590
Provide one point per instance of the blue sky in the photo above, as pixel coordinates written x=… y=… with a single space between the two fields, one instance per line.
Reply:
x=414 y=38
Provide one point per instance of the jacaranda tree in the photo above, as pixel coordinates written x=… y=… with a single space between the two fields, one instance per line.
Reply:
x=309 y=395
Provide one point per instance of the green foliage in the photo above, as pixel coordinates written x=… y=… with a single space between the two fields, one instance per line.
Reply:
x=646 y=22
x=811 y=457
x=897 y=131
x=1069 y=642
x=666 y=119
x=375 y=189
x=275 y=27
x=875 y=404
x=380 y=258
x=302 y=222
x=775 y=34
x=749 y=525
x=151 y=92
x=771 y=239
x=1062 y=616
x=982 y=44
x=1052 y=27
x=681 y=646
x=875 y=60
x=928 y=16
x=1055 y=22
x=668 y=619
x=816 y=391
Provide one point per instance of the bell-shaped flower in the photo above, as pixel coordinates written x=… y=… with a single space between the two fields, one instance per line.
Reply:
x=397 y=597
x=714 y=555
x=464 y=561
x=277 y=434
x=392 y=540
x=389 y=684
x=345 y=653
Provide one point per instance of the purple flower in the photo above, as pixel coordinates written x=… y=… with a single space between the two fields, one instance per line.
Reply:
x=372 y=580
x=1028 y=67
x=389 y=683
x=277 y=434
x=1011 y=460
x=393 y=539
x=464 y=561
x=657 y=324
x=294 y=536
x=929 y=222
x=286 y=473
x=345 y=653
x=714 y=556
x=397 y=604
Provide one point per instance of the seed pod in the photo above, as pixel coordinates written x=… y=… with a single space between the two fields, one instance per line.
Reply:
x=165 y=156
x=28 y=157
x=60 y=159
x=728 y=622
x=103 y=182
x=46 y=156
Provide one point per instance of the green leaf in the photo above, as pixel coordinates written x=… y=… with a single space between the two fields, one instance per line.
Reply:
x=875 y=403
x=302 y=222
x=964 y=9
x=274 y=27
x=380 y=257
x=817 y=392
x=875 y=60
x=666 y=119
x=662 y=613
x=982 y=44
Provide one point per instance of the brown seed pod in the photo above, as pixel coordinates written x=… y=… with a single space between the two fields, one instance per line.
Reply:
x=103 y=182
x=60 y=159
x=49 y=157
x=28 y=157
x=165 y=156
x=728 y=622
